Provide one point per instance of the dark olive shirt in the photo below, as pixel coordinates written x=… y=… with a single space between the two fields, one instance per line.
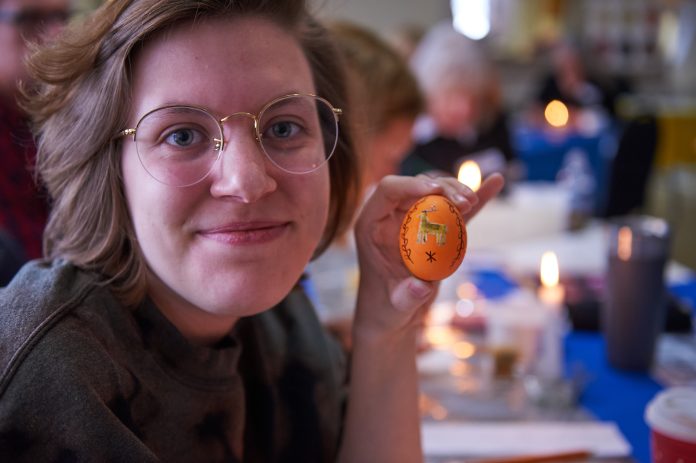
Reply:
x=82 y=378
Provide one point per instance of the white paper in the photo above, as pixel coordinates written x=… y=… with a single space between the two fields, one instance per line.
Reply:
x=486 y=439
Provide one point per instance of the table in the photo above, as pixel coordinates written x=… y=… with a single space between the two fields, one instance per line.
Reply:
x=630 y=392
x=606 y=394
x=503 y=256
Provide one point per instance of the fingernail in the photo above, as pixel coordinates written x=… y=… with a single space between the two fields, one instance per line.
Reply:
x=463 y=202
x=419 y=288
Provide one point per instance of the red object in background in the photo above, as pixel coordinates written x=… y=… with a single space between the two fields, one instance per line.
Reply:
x=668 y=450
x=671 y=415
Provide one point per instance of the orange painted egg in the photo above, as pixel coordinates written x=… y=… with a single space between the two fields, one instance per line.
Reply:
x=432 y=240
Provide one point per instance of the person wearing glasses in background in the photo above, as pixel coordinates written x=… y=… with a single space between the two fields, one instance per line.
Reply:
x=196 y=161
x=22 y=206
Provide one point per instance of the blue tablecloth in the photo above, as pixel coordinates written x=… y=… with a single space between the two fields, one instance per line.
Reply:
x=609 y=394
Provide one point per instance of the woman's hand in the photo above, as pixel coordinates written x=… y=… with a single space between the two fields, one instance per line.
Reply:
x=389 y=298
x=382 y=418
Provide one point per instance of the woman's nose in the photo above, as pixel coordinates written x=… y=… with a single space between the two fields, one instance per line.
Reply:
x=243 y=171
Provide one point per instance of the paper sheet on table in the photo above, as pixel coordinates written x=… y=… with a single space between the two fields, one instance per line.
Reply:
x=453 y=439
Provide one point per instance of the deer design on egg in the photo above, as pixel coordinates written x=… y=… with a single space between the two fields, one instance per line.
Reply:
x=425 y=228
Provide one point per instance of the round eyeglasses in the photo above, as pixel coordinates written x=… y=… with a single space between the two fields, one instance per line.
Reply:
x=179 y=145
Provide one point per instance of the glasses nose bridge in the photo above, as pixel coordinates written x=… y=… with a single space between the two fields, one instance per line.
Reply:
x=220 y=144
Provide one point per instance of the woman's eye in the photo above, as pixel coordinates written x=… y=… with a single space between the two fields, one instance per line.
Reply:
x=183 y=137
x=284 y=129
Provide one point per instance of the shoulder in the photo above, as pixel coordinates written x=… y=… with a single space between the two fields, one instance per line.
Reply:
x=64 y=400
x=39 y=313
x=65 y=364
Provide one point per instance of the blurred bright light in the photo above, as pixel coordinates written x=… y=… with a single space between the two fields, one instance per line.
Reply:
x=440 y=336
x=548 y=270
x=465 y=308
x=463 y=350
x=470 y=175
x=467 y=290
x=471 y=17
x=556 y=113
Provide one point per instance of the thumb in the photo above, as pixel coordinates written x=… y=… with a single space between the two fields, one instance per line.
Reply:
x=411 y=293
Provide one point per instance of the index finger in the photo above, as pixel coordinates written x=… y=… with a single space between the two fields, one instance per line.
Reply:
x=396 y=192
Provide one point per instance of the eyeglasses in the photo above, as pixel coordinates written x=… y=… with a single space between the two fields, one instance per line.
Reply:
x=32 y=21
x=179 y=145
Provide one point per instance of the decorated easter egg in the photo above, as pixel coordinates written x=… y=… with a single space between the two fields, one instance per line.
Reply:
x=432 y=240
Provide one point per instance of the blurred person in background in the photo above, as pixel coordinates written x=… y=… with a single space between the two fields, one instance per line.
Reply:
x=385 y=96
x=465 y=118
x=385 y=101
x=568 y=79
x=23 y=207
x=405 y=39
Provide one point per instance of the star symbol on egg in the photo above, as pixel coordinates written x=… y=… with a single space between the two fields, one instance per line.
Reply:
x=431 y=256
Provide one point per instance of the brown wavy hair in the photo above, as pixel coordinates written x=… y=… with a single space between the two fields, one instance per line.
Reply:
x=82 y=99
x=379 y=79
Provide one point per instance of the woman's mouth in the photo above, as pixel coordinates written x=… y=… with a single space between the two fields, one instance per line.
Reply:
x=247 y=233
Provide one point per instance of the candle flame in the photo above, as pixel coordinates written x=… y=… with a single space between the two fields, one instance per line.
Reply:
x=624 y=243
x=549 y=269
x=556 y=113
x=470 y=175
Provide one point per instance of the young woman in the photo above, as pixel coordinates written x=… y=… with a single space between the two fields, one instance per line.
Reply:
x=192 y=153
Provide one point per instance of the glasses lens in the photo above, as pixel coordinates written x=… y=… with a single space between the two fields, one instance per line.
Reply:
x=178 y=145
x=298 y=133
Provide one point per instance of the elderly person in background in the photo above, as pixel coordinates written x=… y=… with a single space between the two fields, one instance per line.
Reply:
x=22 y=206
x=464 y=118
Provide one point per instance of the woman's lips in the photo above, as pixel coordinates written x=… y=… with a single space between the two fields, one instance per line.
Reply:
x=246 y=233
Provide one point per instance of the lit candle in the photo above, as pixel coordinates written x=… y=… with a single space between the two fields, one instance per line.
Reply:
x=470 y=175
x=551 y=292
x=556 y=113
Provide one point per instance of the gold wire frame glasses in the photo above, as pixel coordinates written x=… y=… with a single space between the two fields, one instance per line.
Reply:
x=179 y=145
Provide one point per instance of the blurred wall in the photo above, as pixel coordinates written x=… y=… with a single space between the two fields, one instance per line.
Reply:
x=385 y=16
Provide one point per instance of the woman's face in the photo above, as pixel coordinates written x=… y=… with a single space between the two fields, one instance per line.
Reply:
x=454 y=109
x=235 y=243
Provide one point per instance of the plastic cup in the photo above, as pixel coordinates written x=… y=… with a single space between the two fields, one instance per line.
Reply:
x=514 y=327
x=671 y=415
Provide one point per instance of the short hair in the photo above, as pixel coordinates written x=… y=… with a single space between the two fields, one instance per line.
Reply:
x=381 y=84
x=83 y=100
x=446 y=57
